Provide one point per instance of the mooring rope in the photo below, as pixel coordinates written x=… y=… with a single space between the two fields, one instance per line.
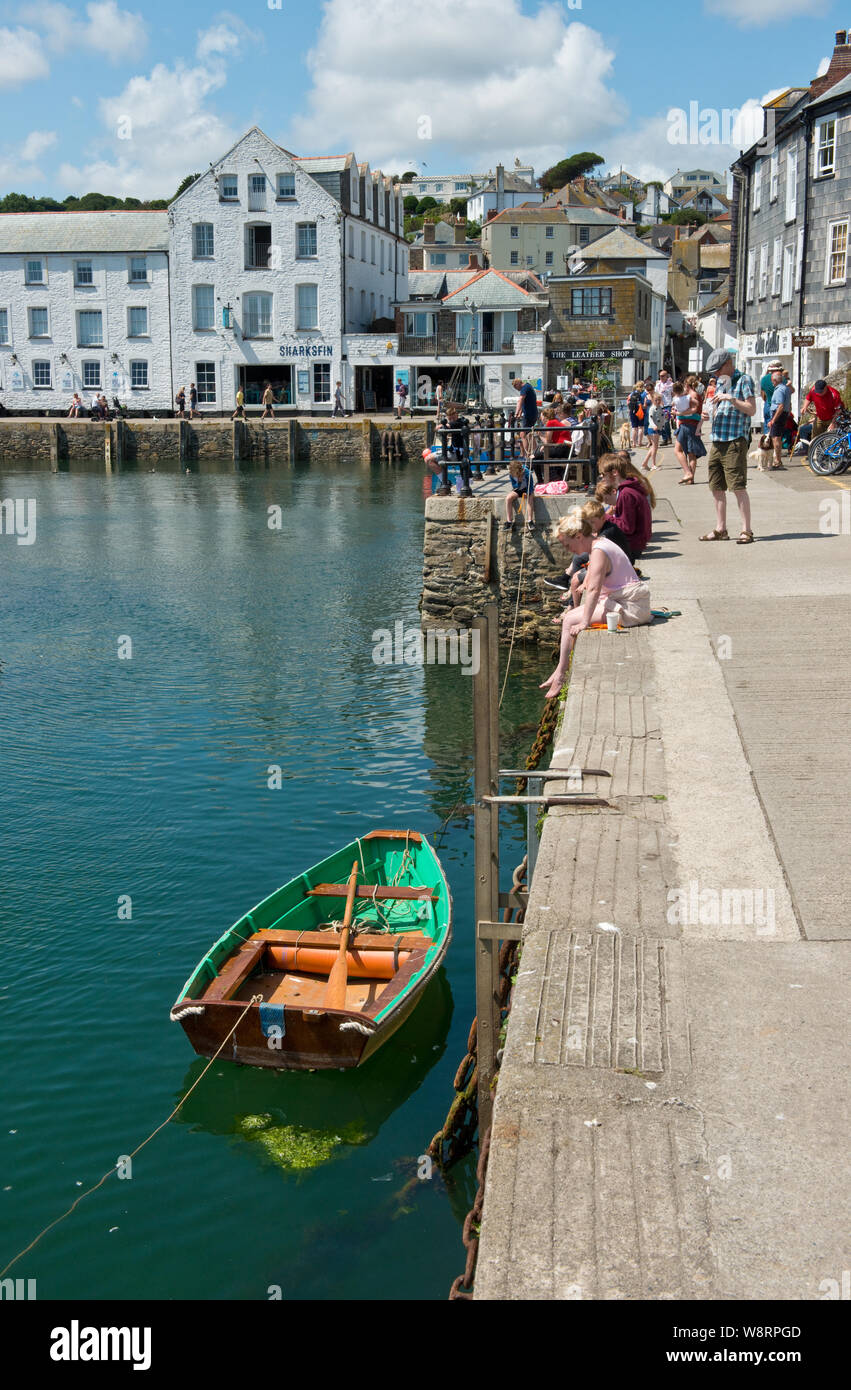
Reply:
x=255 y=999
x=517 y=603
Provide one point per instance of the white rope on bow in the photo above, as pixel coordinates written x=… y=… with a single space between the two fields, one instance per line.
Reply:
x=184 y=1013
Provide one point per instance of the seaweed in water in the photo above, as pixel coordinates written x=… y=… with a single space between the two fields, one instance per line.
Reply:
x=293 y=1148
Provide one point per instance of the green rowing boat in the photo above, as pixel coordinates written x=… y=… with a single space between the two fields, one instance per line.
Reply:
x=324 y=971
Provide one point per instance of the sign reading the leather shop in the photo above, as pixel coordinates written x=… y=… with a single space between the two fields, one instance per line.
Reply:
x=590 y=354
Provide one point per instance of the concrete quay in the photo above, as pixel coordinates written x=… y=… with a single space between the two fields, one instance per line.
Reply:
x=670 y=1119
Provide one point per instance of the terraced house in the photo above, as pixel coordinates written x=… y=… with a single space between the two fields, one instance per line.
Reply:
x=791 y=216
x=84 y=307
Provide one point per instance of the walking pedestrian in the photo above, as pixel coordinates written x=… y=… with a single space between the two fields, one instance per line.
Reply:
x=656 y=424
x=268 y=403
x=636 y=405
x=180 y=402
x=193 y=401
x=338 y=399
x=239 y=413
x=401 y=398
x=728 y=457
x=766 y=390
x=781 y=401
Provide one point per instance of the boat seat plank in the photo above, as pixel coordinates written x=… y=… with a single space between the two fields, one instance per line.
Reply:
x=235 y=971
x=361 y=941
x=371 y=890
x=411 y=835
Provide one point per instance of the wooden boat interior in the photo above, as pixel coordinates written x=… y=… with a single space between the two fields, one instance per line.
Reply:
x=284 y=949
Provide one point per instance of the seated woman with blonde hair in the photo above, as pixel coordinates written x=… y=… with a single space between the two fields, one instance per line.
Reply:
x=611 y=586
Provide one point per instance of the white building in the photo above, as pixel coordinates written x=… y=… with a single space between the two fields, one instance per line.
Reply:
x=445 y=187
x=84 y=307
x=273 y=260
x=690 y=180
x=501 y=192
x=656 y=203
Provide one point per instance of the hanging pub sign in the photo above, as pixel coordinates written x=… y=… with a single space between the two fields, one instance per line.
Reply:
x=800 y=340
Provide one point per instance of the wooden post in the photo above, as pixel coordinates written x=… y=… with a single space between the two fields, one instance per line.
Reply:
x=107 y=446
x=237 y=441
x=488 y=567
x=486 y=768
x=54 y=447
x=182 y=440
x=120 y=427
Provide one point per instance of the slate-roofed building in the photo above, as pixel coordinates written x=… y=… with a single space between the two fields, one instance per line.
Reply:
x=84 y=307
x=791 y=220
x=542 y=239
x=490 y=319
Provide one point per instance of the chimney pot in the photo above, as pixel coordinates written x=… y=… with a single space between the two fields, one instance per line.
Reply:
x=841 y=37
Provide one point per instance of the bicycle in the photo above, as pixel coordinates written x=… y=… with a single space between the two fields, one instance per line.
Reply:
x=830 y=454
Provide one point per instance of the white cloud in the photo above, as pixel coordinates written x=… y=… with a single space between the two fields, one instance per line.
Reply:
x=823 y=67
x=19 y=168
x=36 y=143
x=161 y=126
x=22 y=57
x=713 y=139
x=117 y=33
x=758 y=13
x=109 y=30
x=57 y=23
x=493 y=81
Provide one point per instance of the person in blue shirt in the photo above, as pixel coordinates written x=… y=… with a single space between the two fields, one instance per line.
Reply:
x=522 y=484
x=527 y=413
x=781 y=405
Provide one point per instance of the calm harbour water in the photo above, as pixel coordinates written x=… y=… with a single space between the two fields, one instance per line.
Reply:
x=148 y=777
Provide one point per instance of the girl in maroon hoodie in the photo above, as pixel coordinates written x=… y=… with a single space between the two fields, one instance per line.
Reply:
x=632 y=511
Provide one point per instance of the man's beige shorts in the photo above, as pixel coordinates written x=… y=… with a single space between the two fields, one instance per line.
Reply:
x=728 y=465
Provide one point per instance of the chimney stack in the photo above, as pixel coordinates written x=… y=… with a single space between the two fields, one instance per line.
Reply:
x=500 y=185
x=474 y=261
x=460 y=232
x=840 y=65
x=429 y=229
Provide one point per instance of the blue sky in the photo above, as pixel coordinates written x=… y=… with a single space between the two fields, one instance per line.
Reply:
x=128 y=98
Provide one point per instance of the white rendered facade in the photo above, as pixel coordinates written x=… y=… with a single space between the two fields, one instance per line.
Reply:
x=84 y=308
x=269 y=270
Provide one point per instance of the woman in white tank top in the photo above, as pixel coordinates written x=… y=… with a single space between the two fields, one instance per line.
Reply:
x=611 y=586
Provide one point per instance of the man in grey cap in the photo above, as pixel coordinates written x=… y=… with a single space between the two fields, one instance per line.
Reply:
x=733 y=411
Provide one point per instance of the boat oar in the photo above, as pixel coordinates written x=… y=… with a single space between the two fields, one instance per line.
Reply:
x=335 y=994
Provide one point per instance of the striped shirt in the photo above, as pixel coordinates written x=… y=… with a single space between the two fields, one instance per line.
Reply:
x=728 y=422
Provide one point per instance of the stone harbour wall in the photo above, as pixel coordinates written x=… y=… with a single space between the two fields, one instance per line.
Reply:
x=469 y=561
x=252 y=442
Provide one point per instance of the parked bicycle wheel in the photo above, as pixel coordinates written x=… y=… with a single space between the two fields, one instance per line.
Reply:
x=830 y=454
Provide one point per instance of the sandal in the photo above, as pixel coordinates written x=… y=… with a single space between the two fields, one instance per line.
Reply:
x=746 y=538
x=716 y=535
